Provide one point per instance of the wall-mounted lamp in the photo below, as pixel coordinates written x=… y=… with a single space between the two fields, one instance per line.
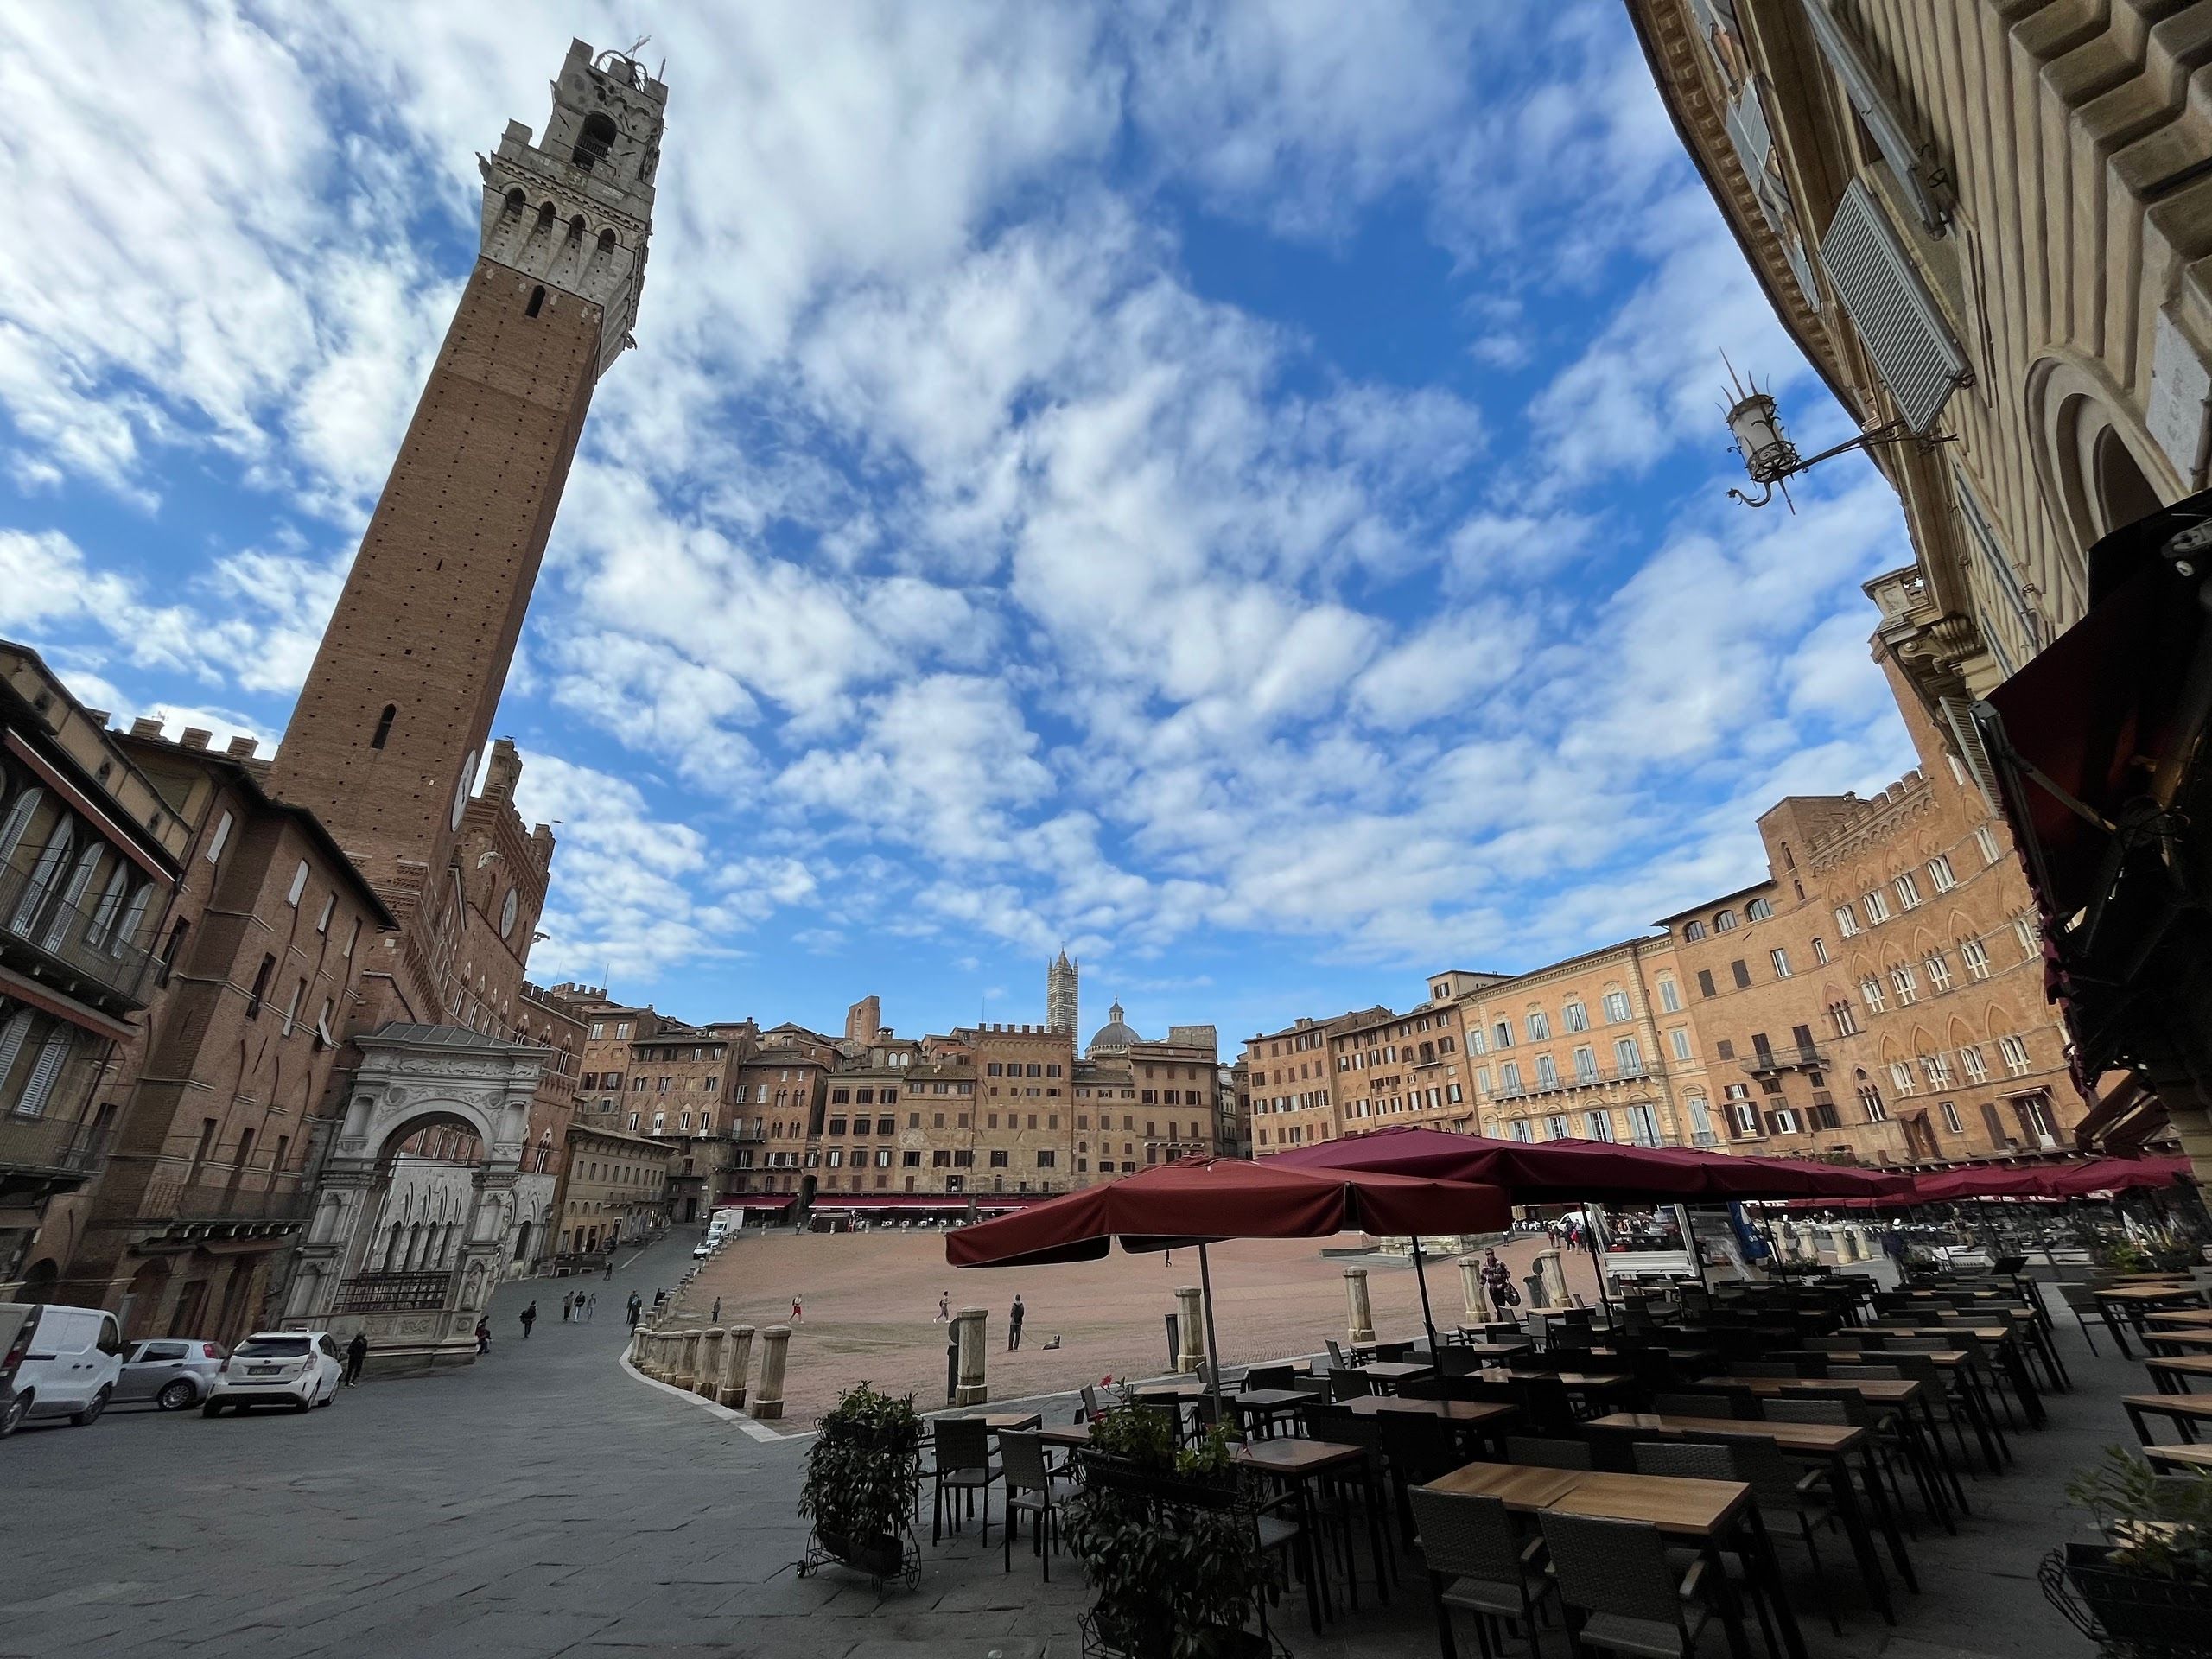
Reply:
x=1769 y=456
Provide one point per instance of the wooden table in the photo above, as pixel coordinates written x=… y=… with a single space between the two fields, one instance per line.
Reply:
x=1833 y=1444
x=1296 y=1463
x=2194 y=1459
x=1492 y=1350
x=1390 y=1373
x=2172 y=1373
x=1923 y=1440
x=1067 y=1437
x=2184 y=1411
x=1269 y=1404
x=2181 y=1317
x=1467 y=1419
x=2164 y=1337
x=996 y=1420
x=1703 y=1513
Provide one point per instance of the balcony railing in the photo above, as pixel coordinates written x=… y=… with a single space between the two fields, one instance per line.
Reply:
x=1594 y=1077
x=221 y=1201
x=1798 y=1057
x=63 y=1147
x=71 y=948
x=394 y=1292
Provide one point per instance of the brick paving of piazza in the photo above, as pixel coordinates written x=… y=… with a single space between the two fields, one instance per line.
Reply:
x=870 y=1302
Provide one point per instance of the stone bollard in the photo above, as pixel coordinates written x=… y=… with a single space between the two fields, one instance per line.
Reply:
x=1470 y=1287
x=1846 y=1243
x=1551 y=1268
x=709 y=1382
x=967 y=1331
x=775 y=1342
x=637 y=1345
x=737 y=1358
x=1361 y=1326
x=687 y=1359
x=664 y=1356
x=1190 y=1328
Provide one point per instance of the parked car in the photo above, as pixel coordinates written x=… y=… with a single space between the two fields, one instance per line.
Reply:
x=56 y=1361
x=173 y=1372
x=297 y=1368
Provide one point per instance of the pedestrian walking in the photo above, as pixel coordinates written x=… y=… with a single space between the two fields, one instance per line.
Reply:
x=716 y=1318
x=798 y=1313
x=945 y=1308
x=483 y=1336
x=636 y=1306
x=1497 y=1279
x=610 y=1264
x=357 y=1354
x=567 y=1300
x=1013 y=1324
x=591 y=1306
x=529 y=1318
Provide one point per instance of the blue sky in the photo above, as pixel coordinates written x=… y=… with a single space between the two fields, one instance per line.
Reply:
x=1238 y=491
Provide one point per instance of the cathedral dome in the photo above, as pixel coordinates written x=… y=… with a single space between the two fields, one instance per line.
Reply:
x=1114 y=1036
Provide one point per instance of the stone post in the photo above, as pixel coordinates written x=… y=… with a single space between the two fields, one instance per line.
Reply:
x=637 y=1345
x=1361 y=1326
x=1846 y=1243
x=687 y=1359
x=1470 y=1287
x=1552 y=1269
x=775 y=1342
x=967 y=1331
x=664 y=1365
x=1190 y=1328
x=737 y=1359
x=709 y=1382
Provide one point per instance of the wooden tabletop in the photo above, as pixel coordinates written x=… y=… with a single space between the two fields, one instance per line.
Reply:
x=2181 y=1364
x=1594 y=1381
x=2198 y=1458
x=2180 y=1316
x=2198 y=1407
x=1272 y=1399
x=996 y=1420
x=1067 y=1435
x=1808 y=1440
x=1493 y=1349
x=2180 y=1336
x=1395 y=1371
x=1189 y=1388
x=1292 y=1456
x=2147 y=1293
x=1453 y=1411
x=1683 y=1509
x=1875 y=1391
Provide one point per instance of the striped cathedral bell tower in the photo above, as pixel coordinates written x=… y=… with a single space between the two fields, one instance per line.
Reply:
x=384 y=743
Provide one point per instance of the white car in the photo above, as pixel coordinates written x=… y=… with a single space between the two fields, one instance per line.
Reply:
x=56 y=1360
x=297 y=1368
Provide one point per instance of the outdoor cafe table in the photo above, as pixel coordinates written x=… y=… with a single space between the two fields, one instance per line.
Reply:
x=1833 y=1444
x=1266 y=1406
x=1901 y=1393
x=2004 y=1340
x=996 y=1420
x=1703 y=1513
x=1485 y=1350
x=2179 y=1317
x=2133 y=1301
x=1296 y=1463
x=1387 y=1374
x=1484 y=1419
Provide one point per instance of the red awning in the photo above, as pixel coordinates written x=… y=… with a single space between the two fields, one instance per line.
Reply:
x=2116 y=1175
x=1983 y=1181
x=1196 y=1200
x=1570 y=1171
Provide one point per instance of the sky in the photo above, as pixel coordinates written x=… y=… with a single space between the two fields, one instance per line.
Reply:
x=1235 y=490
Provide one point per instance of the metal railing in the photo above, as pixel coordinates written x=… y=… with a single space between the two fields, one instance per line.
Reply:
x=1798 y=1057
x=63 y=1144
x=389 y=1293
x=1594 y=1077
x=37 y=918
x=224 y=1200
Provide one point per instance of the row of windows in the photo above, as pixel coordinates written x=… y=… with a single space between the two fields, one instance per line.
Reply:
x=1723 y=921
x=1628 y=1062
x=1643 y=1125
x=1875 y=904
x=1033 y=1069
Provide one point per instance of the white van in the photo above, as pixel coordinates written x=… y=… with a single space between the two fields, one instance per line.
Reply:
x=56 y=1361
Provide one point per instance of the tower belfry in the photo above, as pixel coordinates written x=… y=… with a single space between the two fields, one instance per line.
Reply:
x=1061 y=979
x=384 y=742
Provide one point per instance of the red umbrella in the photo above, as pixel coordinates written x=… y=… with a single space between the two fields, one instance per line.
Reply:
x=1202 y=1200
x=1571 y=1171
x=1983 y=1181
x=2114 y=1175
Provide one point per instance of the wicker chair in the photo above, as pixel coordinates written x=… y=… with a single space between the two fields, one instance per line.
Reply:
x=2083 y=1299
x=1033 y=1488
x=1349 y=1384
x=1544 y=1454
x=1780 y=1489
x=963 y=1464
x=1479 y=1564
x=1616 y=1575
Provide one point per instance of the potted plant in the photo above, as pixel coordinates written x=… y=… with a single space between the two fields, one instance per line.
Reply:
x=2149 y=1584
x=864 y=1479
x=1166 y=1539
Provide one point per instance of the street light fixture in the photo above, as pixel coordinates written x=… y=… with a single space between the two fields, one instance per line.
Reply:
x=1769 y=456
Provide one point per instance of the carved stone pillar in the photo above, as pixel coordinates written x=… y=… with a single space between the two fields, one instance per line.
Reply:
x=1470 y=1287
x=708 y=1381
x=687 y=1359
x=967 y=1331
x=1360 y=1326
x=775 y=1343
x=737 y=1358
x=1190 y=1328
x=1551 y=1269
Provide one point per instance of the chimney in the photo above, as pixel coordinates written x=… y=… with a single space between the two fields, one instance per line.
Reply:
x=195 y=737
x=241 y=748
x=146 y=726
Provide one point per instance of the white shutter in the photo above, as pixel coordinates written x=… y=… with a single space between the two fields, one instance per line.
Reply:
x=1914 y=349
x=1966 y=732
x=43 y=1073
x=1754 y=141
x=1876 y=108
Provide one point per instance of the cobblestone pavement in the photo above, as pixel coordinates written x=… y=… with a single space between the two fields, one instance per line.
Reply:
x=545 y=1501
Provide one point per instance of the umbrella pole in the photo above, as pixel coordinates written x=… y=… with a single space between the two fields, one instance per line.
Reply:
x=1427 y=1318
x=1598 y=1262
x=1689 y=1241
x=1213 y=1347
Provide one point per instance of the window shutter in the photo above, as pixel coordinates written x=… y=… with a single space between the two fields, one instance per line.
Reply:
x=1896 y=316
x=1966 y=731
x=1876 y=108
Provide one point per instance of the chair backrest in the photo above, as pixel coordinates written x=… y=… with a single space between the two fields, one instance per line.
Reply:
x=1418 y=1446
x=1394 y=1352
x=1091 y=1409
x=1760 y=1464
x=1925 y=1346
x=1022 y=1455
x=1458 y=1362
x=1685 y=1460
x=1544 y=1401
x=1806 y=1411
x=1349 y=1384
x=1466 y=1536
x=1833 y=1344
x=1707 y=1402
x=1612 y=1566
x=1269 y=1377
x=1425 y=1387
x=1761 y=1368
x=1543 y=1453
x=962 y=1443
x=1866 y=1373
x=1337 y=1360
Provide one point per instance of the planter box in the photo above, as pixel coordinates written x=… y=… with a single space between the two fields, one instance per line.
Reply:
x=2128 y=1609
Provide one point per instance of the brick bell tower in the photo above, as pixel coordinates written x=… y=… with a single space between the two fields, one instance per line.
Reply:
x=384 y=743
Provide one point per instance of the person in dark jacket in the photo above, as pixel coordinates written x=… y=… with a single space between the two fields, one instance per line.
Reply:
x=529 y=1318
x=357 y=1354
x=1013 y=1324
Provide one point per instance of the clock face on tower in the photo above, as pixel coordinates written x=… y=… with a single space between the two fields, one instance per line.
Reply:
x=507 y=915
x=460 y=790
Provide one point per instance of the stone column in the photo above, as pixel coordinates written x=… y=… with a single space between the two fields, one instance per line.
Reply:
x=1551 y=1270
x=1190 y=1328
x=1361 y=1326
x=1846 y=1243
x=967 y=1331
x=775 y=1343
x=687 y=1359
x=709 y=1382
x=737 y=1358
x=1470 y=1287
x=637 y=1344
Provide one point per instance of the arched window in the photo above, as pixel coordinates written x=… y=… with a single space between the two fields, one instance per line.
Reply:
x=513 y=209
x=1759 y=910
x=596 y=141
x=43 y=875
x=1693 y=930
x=545 y=219
x=576 y=231
x=18 y=820
x=605 y=244
x=1723 y=922
x=384 y=721
x=66 y=907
